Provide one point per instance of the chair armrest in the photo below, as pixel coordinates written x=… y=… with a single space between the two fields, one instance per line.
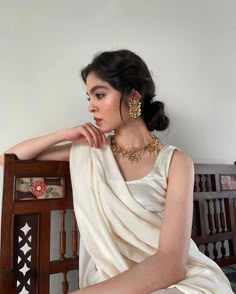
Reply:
x=7 y=281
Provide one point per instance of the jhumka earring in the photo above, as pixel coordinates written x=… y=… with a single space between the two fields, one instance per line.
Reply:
x=134 y=107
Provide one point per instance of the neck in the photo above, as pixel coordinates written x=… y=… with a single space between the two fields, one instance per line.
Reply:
x=134 y=134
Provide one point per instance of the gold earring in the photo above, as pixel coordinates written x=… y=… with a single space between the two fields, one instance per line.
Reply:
x=134 y=107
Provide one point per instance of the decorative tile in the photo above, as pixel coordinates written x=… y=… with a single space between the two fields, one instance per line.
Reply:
x=39 y=188
x=228 y=182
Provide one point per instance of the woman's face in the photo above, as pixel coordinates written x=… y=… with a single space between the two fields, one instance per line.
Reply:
x=104 y=104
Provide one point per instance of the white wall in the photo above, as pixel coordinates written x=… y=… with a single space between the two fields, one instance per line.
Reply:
x=189 y=46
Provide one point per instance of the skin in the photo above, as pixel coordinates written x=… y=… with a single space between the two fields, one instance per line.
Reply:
x=167 y=266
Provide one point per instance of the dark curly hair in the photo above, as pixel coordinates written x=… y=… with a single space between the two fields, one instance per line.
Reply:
x=125 y=71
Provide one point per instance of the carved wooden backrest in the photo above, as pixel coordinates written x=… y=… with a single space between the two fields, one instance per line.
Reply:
x=31 y=191
x=214 y=218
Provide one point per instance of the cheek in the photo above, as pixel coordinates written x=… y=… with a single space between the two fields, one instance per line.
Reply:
x=111 y=105
x=125 y=111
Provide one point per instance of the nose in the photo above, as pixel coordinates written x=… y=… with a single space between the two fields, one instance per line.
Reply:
x=92 y=107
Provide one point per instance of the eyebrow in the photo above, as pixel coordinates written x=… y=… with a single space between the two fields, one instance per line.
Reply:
x=96 y=88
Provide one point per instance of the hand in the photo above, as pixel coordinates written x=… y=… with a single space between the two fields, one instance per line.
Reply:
x=86 y=133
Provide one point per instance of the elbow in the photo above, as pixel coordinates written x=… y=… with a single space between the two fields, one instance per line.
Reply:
x=179 y=274
x=174 y=275
x=175 y=271
x=171 y=276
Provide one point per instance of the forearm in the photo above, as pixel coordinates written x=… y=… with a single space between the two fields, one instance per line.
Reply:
x=44 y=147
x=31 y=148
x=156 y=272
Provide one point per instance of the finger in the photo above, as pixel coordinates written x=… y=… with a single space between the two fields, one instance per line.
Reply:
x=98 y=135
x=86 y=134
x=94 y=134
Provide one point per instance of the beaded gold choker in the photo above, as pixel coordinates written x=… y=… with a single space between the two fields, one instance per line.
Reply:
x=134 y=155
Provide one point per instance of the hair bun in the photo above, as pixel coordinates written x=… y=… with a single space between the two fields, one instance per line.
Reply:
x=155 y=117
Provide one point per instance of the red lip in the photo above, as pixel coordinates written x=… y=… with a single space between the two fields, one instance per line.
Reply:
x=98 y=121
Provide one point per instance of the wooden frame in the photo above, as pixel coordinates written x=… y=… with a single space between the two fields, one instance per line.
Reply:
x=214 y=223
x=214 y=218
x=28 y=227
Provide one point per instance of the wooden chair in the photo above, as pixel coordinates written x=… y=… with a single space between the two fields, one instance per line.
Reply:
x=214 y=218
x=31 y=191
x=26 y=219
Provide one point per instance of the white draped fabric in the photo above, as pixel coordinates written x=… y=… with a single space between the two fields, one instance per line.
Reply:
x=117 y=231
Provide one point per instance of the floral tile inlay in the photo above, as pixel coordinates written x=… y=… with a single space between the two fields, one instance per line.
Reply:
x=39 y=188
x=228 y=182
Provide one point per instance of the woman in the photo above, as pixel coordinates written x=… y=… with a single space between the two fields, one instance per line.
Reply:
x=133 y=196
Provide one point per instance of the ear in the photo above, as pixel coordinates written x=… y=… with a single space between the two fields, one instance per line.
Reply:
x=134 y=93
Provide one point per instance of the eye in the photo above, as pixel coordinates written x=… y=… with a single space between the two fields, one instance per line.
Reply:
x=88 y=98
x=99 y=96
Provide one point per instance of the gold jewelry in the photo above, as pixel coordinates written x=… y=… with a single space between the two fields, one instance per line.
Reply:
x=134 y=107
x=134 y=155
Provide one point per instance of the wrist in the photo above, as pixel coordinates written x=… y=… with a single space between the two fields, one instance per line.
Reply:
x=60 y=136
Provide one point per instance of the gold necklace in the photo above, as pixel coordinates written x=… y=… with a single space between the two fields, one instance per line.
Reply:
x=134 y=155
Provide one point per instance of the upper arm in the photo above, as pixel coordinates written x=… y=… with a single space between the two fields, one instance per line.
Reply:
x=57 y=152
x=176 y=226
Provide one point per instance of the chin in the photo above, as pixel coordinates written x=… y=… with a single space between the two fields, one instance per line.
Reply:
x=106 y=130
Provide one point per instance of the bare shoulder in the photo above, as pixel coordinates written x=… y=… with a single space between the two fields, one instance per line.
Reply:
x=181 y=160
x=181 y=169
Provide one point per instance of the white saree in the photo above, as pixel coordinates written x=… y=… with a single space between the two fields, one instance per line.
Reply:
x=117 y=232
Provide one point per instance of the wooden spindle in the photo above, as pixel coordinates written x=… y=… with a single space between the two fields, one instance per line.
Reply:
x=223 y=250
x=207 y=184
x=216 y=219
x=227 y=209
x=65 y=283
x=209 y=216
x=74 y=236
x=222 y=216
x=215 y=251
x=207 y=253
x=203 y=183
x=196 y=181
x=200 y=183
x=62 y=236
